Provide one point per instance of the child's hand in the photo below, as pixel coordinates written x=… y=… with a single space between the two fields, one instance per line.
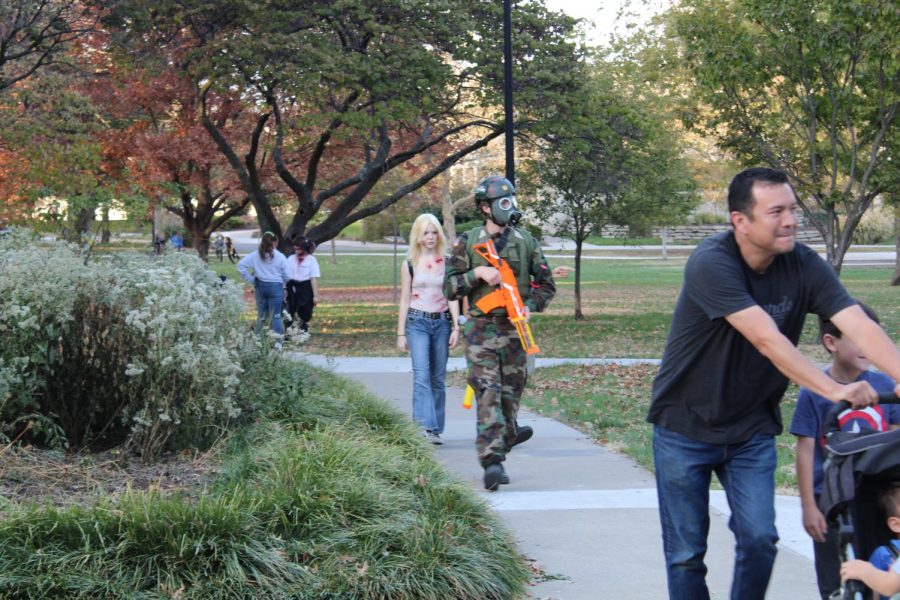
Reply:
x=814 y=524
x=855 y=569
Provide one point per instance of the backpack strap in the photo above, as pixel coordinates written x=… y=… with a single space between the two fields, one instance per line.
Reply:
x=409 y=266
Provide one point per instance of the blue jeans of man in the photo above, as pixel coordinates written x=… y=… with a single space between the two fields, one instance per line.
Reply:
x=684 y=469
x=428 y=341
x=269 y=298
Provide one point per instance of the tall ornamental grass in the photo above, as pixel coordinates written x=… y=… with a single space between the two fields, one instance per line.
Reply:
x=123 y=349
x=330 y=494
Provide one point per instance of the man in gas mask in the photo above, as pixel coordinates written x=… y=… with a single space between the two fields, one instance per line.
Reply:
x=495 y=356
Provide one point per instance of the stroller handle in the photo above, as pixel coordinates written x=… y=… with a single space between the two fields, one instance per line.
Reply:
x=831 y=423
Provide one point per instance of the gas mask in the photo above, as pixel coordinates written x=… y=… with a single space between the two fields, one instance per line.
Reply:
x=504 y=211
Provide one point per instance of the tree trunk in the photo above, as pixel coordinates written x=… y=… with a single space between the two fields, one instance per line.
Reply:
x=579 y=316
x=84 y=219
x=447 y=209
x=104 y=231
x=896 y=279
x=201 y=245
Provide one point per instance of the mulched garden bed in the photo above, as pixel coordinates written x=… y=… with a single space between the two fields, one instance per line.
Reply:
x=33 y=475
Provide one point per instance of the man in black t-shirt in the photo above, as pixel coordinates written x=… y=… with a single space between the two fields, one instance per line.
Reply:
x=728 y=358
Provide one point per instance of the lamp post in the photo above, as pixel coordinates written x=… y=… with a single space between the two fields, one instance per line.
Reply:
x=508 y=92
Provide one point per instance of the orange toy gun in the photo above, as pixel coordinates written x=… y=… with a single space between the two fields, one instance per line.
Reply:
x=506 y=296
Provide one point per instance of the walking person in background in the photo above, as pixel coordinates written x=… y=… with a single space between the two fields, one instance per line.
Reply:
x=303 y=285
x=177 y=242
x=219 y=247
x=729 y=355
x=427 y=324
x=269 y=274
x=230 y=250
x=494 y=352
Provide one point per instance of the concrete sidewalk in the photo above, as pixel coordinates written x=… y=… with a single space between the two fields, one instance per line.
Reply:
x=585 y=515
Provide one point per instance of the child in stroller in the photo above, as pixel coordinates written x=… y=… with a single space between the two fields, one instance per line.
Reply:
x=882 y=572
x=862 y=466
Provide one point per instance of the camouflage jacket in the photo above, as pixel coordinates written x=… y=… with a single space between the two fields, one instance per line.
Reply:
x=524 y=256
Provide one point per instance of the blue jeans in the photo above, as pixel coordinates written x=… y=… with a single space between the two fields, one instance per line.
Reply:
x=428 y=341
x=269 y=298
x=684 y=468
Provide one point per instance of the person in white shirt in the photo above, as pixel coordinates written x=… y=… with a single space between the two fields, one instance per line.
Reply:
x=303 y=283
x=269 y=274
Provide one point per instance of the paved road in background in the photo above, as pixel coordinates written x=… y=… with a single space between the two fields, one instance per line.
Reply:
x=245 y=241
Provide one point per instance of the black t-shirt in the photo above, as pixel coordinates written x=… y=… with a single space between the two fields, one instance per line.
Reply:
x=713 y=385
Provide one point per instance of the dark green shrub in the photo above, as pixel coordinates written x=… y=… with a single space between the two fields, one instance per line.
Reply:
x=127 y=350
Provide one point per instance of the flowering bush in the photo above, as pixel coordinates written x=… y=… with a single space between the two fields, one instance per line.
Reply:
x=120 y=349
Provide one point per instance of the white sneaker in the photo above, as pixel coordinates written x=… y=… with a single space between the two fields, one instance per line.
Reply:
x=434 y=438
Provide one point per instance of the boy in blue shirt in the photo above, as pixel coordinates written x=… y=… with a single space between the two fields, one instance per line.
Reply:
x=848 y=365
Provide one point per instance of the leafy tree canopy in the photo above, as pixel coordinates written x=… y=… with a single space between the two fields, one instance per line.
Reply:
x=346 y=91
x=53 y=128
x=35 y=34
x=809 y=87
x=608 y=160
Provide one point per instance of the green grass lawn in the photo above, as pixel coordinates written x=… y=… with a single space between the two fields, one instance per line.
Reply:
x=627 y=241
x=627 y=307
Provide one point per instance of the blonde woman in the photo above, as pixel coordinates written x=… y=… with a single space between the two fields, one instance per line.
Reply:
x=427 y=323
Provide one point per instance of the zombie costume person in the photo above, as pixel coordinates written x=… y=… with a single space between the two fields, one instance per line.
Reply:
x=427 y=324
x=303 y=285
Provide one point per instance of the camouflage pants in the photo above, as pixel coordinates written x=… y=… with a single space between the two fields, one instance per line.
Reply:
x=497 y=373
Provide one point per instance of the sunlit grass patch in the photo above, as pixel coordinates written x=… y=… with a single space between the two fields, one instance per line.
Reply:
x=610 y=402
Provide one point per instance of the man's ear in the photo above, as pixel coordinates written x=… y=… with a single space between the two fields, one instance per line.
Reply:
x=738 y=220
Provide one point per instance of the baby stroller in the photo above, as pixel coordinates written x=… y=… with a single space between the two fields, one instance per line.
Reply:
x=858 y=466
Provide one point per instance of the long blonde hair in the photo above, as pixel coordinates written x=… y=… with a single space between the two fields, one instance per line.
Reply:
x=417 y=232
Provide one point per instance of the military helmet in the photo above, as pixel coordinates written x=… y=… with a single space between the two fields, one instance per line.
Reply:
x=493 y=187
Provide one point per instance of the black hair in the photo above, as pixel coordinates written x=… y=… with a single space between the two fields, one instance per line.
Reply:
x=740 y=190
x=889 y=499
x=304 y=242
x=826 y=327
